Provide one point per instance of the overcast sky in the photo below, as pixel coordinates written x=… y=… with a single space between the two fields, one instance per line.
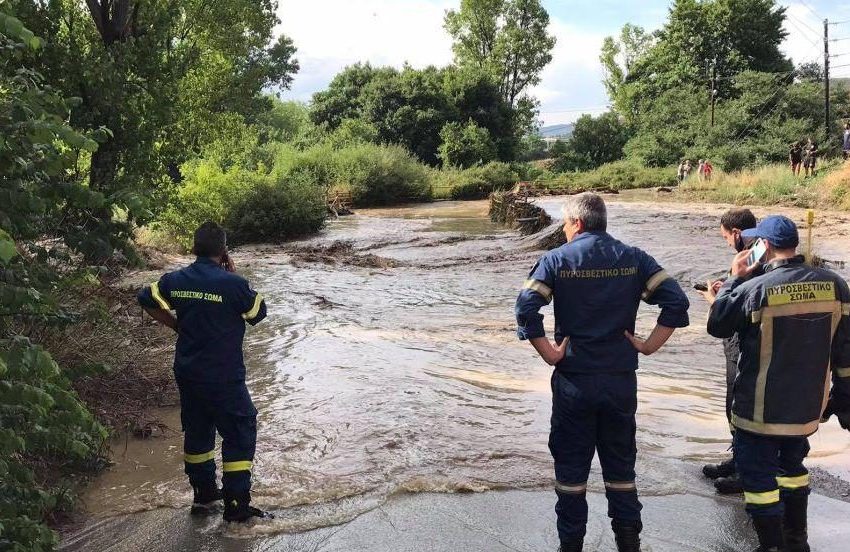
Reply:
x=331 y=34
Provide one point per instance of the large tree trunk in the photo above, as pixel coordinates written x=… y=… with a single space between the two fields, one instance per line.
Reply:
x=115 y=19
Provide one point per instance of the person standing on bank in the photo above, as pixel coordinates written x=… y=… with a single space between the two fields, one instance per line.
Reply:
x=732 y=224
x=597 y=283
x=794 y=328
x=213 y=305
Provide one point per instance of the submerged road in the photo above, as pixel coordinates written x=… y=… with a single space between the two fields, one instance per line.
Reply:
x=398 y=412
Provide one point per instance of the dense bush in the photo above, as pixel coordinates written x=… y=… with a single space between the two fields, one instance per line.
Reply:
x=207 y=193
x=620 y=175
x=474 y=183
x=276 y=210
x=380 y=175
x=465 y=145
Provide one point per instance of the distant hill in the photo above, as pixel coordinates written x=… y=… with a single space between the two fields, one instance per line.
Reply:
x=557 y=131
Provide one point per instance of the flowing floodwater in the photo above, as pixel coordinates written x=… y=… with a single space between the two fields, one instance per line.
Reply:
x=390 y=364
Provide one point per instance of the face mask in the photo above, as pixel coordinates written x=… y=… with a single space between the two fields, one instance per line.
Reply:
x=739 y=243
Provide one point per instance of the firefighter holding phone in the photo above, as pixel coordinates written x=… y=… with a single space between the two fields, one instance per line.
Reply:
x=212 y=305
x=794 y=327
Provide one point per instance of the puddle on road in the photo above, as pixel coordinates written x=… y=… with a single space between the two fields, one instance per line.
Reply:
x=374 y=381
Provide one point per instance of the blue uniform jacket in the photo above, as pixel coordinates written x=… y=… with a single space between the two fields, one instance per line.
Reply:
x=794 y=326
x=212 y=308
x=597 y=283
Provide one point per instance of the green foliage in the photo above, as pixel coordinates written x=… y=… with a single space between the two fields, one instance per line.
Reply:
x=508 y=39
x=475 y=182
x=166 y=78
x=466 y=145
x=380 y=175
x=208 y=192
x=272 y=211
x=411 y=107
x=595 y=141
x=41 y=420
x=619 y=175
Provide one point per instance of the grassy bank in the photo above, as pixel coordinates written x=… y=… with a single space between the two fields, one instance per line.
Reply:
x=776 y=185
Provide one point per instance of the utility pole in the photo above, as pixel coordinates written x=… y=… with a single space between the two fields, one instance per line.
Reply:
x=827 y=118
x=712 y=89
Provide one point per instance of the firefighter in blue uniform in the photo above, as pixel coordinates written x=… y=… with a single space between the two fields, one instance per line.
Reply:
x=794 y=331
x=597 y=283
x=212 y=306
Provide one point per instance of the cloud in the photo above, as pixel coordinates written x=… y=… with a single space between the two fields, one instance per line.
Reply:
x=331 y=34
x=572 y=83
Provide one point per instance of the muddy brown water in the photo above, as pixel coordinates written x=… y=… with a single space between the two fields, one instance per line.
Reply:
x=372 y=381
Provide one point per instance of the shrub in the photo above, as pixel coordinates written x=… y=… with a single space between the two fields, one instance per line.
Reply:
x=207 y=193
x=475 y=183
x=380 y=175
x=619 y=175
x=276 y=210
x=465 y=145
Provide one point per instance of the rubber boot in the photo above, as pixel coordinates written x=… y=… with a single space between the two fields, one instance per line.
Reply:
x=729 y=485
x=238 y=509
x=627 y=535
x=723 y=469
x=205 y=500
x=769 y=531
x=572 y=545
x=796 y=534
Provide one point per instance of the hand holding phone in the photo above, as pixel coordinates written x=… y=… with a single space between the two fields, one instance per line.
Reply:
x=757 y=252
x=227 y=263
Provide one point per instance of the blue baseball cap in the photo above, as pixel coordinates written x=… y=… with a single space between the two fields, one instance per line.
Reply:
x=779 y=231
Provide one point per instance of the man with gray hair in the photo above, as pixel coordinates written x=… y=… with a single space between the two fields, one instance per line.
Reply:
x=597 y=283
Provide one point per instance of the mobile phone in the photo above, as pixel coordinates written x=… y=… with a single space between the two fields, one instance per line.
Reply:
x=700 y=287
x=757 y=252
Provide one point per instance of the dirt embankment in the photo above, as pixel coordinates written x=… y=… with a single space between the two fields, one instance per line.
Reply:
x=125 y=355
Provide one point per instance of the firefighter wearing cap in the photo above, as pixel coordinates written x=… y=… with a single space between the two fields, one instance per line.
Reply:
x=212 y=306
x=794 y=330
x=596 y=283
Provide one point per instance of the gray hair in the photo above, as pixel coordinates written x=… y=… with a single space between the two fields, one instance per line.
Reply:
x=588 y=208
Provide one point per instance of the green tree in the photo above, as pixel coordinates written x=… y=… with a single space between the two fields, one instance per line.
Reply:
x=507 y=38
x=162 y=77
x=410 y=107
x=466 y=145
x=730 y=35
x=558 y=147
x=618 y=58
x=42 y=422
x=595 y=141
x=811 y=72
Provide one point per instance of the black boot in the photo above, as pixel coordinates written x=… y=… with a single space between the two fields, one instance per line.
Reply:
x=723 y=469
x=729 y=485
x=627 y=535
x=769 y=531
x=238 y=508
x=572 y=545
x=205 y=499
x=796 y=535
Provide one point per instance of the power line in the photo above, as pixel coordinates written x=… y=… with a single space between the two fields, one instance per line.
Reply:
x=808 y=7
x=806 y=25
x=813 y=42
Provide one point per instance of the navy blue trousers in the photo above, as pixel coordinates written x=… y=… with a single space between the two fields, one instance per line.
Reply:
x=770 y=468
x=227 y=408
x=593 y=413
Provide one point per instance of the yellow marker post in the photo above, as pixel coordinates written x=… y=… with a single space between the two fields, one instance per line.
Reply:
x=810 y=220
